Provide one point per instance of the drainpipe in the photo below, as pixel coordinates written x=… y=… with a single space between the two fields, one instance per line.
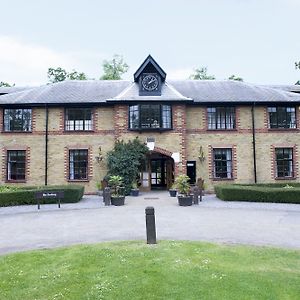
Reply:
x=253 y=143
x=46 y=145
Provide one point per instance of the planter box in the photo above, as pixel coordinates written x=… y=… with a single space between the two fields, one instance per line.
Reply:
x=118 y=201
x=135 y=192
x=185 y=200
x=173 y=193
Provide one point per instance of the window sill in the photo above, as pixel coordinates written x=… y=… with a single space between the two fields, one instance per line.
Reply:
x=285 y=178
x=78 y=131
x=150 y=129
x=15 y=181
x=15 y=131
x=222 y=130
x=78 y=180
x=223 y=179
x=283 y=129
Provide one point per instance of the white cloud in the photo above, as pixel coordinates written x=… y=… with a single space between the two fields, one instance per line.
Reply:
x=27 y=64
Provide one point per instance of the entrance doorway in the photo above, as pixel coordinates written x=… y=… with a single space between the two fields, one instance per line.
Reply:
x=191 y=171
x=158 y=172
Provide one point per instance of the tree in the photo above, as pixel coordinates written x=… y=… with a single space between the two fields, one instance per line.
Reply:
x=125 y=161
x=74 y=75
x=201 y=74
x=297 y=66
x=236 y=78
x=60 y=74
x=57 y=74
x=5 y=84
x=114 y=69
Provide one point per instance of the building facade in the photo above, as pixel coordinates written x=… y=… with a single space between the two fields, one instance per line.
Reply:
x=222 y=131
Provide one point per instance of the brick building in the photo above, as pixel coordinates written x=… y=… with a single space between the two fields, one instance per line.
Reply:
x=218 y=130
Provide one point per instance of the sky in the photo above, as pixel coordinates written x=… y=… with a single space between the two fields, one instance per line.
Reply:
x=257 y=40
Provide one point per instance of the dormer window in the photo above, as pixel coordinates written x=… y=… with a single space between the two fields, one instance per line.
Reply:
x=150 y=117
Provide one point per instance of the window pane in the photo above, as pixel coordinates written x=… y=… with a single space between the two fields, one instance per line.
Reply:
x=16 y=165
x=282 y=117
x=222 y=163
x=221 y=117
x=166 y=116
x=134 y=121
x=284 y=162
x=150 y=116
x=17 y=120
x=78 y=164
x=78 y=119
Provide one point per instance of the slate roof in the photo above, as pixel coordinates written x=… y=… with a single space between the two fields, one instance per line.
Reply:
x=168 y=93
x=73 y=92
x=231 y=91
x=12 y=89
x=288 y=88
x=102 y=91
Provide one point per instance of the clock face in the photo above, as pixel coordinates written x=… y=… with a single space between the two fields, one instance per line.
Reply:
x=150 y=82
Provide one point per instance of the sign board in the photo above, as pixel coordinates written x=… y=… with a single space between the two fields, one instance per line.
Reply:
x=49 y=194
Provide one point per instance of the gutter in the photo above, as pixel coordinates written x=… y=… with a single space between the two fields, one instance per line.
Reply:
x=46 y=144
x=254 y=143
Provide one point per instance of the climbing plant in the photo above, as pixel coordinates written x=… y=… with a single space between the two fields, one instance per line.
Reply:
x=125 y=160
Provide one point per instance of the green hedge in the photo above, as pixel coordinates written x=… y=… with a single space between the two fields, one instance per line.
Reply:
x=280 y=193
x=25 y=195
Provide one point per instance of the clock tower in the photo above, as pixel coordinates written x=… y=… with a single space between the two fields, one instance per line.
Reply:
x=150 y=77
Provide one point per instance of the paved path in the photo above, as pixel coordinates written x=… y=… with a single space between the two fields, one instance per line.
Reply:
x=24 y=227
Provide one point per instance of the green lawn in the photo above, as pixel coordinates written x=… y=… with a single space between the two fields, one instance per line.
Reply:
x=169 y=270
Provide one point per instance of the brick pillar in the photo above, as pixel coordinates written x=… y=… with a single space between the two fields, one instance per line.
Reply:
x=120 y=120
x=179 y=117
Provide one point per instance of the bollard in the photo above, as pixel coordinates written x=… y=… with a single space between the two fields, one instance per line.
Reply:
x=106 y=196
x=150 y=225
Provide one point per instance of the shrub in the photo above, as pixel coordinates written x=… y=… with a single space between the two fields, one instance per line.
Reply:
x=125 y=160
x=280 y=193
x=25 y=195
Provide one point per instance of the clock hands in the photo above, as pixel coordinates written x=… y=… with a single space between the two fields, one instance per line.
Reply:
x=152 y=80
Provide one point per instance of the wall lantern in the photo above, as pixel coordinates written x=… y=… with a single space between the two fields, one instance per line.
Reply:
x=99 y=158
x=201 y=154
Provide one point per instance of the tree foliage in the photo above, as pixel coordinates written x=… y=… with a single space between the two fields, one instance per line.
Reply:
x=236 y=78
x=60 y=74
x=5 y=84
x=297 y=66
x=125 y=160
x=201 y=74
x=114 y=69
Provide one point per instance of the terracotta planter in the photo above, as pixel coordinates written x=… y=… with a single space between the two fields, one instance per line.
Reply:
x=173 y=193
x=118 y=201
x=185 y=200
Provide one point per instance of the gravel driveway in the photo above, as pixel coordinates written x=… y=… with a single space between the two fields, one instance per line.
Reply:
x=25 y=227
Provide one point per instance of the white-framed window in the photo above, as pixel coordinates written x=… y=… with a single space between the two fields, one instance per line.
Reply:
x=222 y=162
x=221 y=118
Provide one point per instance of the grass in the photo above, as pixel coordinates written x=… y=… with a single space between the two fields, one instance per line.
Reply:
x=168 y=270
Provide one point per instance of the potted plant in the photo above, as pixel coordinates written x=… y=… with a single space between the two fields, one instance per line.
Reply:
x=173 y=190
x=134 y=189
x=117 y=197
x=183 y=187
